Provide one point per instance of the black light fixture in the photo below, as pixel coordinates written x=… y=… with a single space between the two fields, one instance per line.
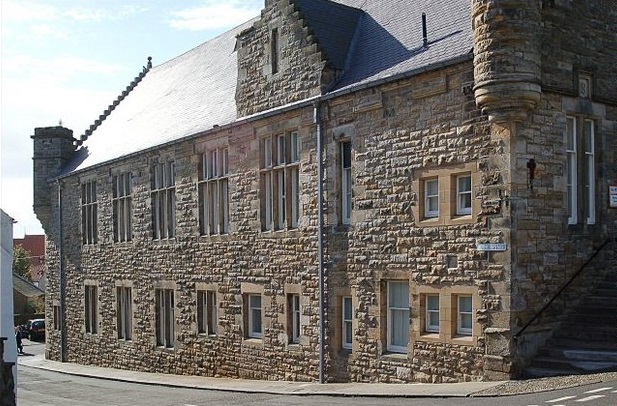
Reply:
x=531 y=168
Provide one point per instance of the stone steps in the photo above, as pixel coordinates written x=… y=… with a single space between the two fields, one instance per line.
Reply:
x=586 y=341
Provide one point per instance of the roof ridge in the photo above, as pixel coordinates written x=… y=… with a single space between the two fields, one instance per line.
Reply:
x=115 y=103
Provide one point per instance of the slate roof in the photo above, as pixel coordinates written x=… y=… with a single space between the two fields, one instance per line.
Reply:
x=334 y=25
x=190 y=94
x=25 y=287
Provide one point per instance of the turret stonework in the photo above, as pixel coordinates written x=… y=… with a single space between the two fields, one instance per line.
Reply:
x=507 y=57
x=53 y=148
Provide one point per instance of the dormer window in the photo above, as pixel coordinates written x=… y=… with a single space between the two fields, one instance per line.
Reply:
x=274 y=50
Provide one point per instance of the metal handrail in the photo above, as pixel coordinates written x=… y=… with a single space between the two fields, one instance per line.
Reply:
x=535 y=317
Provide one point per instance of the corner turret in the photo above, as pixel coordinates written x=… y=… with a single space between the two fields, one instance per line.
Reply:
x=507 y=57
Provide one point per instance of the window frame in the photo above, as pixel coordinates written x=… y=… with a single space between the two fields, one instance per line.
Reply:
x=213 y=189
x=589 y=175
x=252 y=312
x=163 y=200
x=571 y=169
x=429 y=327
x=280 y=181
x=346 y=181
x=429 y=197
x=165 y=317
x=89 y=213
x=295 y=327
x=466 y=195
x=124 y=312
x=346 y=323
x=392 y=311
x=207 y=312
x=91 y=308
x=122 y=207
x=464 y=314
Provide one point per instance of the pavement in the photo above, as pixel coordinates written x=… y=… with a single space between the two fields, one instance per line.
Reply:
x=412 y=390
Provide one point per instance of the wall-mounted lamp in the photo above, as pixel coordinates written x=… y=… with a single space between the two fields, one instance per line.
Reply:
x=531 y=169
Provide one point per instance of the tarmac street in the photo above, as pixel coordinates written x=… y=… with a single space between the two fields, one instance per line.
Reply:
x=41 y=381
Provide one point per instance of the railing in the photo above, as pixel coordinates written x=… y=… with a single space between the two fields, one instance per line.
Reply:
x=560 y=291
x=7 y=381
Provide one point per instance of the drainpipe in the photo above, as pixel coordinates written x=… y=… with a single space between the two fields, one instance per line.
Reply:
x=63 y=355
x=320 y=214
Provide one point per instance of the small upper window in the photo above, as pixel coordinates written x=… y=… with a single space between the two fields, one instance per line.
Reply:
x=431 y=198
x=274 y=50
x=463 y=195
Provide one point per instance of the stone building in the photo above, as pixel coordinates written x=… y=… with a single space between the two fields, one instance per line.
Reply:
x=341 y=191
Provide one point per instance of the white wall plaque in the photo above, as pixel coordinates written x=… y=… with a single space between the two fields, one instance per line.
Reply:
x=491 y=247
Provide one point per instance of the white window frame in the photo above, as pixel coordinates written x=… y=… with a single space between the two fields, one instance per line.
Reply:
x=590 y=171
x=294 y=322
x=346 y=182
x=121 y=202
x=571 y=170
x=347 y=322
x=89 y=216
x=431 y=197
x=91 y=308
x=463 y=196
x=464 y=319
x=280 y=181
x=432 y=309
x=213 y=188
x=163 y=200
x=207 y=312
x=398 y=312
x=124 y=312
x=165 y=317
x=255 y=322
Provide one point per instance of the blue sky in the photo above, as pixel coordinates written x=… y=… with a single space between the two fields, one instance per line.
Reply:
x=67 y=60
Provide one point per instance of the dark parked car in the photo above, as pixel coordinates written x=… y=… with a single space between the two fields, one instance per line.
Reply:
x=34 y=329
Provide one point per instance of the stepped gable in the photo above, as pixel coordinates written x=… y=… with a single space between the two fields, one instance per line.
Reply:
x=115 y=103
x=334 y=26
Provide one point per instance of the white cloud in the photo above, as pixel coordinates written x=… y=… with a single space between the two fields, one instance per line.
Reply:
x=24 y=10
x=214 y=15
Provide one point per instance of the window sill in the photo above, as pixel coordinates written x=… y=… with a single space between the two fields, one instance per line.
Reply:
x=463 y=340
x=294 y=347
x=395 y=356
x=206 y=336
x=253 y=342
x=277 y=234
x=429 y=336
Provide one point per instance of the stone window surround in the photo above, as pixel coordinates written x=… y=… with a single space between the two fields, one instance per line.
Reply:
x=246 y=289
x=124 y=284
x=448 y=314
x=447 y=180
x=212 y=287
